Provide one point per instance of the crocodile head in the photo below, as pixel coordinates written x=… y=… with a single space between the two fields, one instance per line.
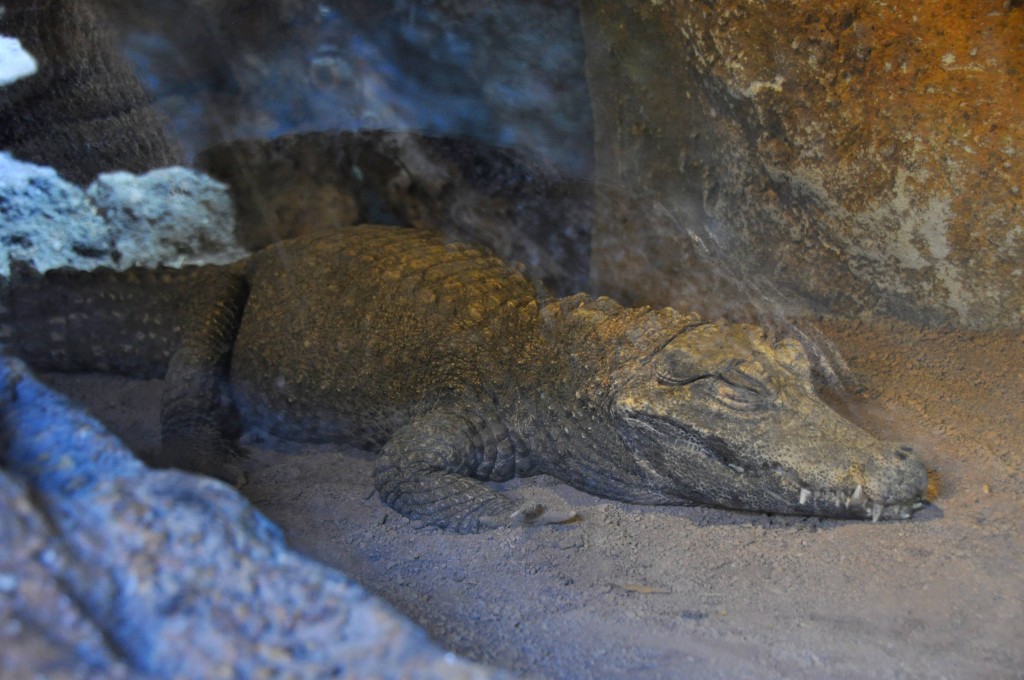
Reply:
x=722 y=415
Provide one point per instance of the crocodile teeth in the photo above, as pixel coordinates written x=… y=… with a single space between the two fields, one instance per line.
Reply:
x=737 y=468
x=805 y=495
x=876 y=512
x=918 y=505
x=857 y=497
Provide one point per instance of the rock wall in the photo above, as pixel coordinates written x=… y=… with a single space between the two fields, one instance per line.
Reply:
x=855 y=156
x=508 y=74
x=470 y=191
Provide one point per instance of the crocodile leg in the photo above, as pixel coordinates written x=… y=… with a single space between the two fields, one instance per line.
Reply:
x=425 y=474
x=195 y=410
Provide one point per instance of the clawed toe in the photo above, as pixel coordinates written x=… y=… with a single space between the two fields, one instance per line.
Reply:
x=528 y=513
x=531 y=514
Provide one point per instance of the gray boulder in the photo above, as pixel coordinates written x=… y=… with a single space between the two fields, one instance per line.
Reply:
x=47 y=221
x=110 y=569
x=168 y=216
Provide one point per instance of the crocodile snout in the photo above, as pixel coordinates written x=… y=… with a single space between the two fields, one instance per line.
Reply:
x=897 y=476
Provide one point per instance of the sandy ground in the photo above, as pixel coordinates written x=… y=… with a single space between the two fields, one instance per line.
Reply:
x=641 y=592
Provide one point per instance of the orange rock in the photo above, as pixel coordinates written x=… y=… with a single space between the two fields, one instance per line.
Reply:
x=857 y=156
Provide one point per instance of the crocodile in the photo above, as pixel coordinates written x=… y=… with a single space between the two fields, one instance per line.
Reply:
x=461 y=371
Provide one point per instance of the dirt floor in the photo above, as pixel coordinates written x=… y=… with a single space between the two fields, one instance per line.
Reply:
x=641 y=592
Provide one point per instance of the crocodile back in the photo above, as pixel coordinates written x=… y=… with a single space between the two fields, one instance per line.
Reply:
x=355 y=331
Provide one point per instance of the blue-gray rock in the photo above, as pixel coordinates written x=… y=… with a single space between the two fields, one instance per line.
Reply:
x=115 y=570
x=47 y=221
x=168 y=216
x=507 y=74
x=44 y=630
x=15 y=62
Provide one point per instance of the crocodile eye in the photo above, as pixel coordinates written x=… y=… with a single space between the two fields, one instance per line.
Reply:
x=739 y=390
x=677 y=368
x=672 y=381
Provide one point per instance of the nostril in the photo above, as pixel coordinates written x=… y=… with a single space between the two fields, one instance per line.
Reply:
x=903 y=452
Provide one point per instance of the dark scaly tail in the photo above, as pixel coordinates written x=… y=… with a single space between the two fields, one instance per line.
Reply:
x=108 y=321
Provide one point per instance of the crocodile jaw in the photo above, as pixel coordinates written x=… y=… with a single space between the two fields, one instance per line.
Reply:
x=689 y=469
x=722 y=416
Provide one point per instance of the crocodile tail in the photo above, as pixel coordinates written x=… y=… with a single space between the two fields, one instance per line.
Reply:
x=127 y=322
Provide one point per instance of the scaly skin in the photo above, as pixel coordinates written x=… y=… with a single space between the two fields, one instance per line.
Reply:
x=446 y=359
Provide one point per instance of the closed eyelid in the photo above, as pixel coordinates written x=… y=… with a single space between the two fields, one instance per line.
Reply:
x=665 y=379
x=743 y=380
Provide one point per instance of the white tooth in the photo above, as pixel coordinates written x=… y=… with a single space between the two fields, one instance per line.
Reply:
x=918 y=505
x=858 y=495
x=876 y=512
x=905 y=514
x=805 y=495
x=737 y=468
x=846 y=504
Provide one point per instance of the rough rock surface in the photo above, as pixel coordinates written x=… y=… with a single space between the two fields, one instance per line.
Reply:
x=84 y=112
x=167 y=216
x=508 y=74
x=859 y=156
x=47 y=221
x=472 y=192
x=111 y=569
